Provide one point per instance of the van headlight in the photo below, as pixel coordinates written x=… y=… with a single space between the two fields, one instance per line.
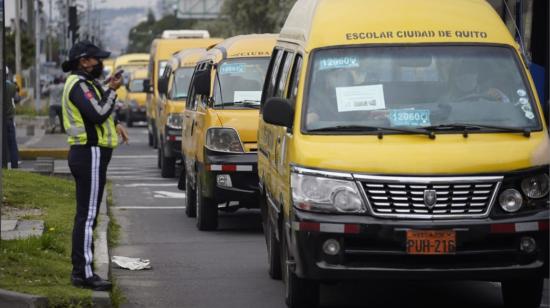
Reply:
x=535 y=187
x=510 y=200
x=321 y=194
x=223 y=140
x=174 y=120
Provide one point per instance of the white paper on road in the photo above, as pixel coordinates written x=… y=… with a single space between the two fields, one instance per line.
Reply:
x=168 y=194
x=133 y=264
x=361 y=98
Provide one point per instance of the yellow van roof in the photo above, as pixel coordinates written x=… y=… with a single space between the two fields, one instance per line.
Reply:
x=164 y=49
x=140 y=74
x=187 y=58
x=132 y=59
x=320 y=23
x=243 y=46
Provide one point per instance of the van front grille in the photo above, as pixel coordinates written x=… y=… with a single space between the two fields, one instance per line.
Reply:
x=429 y=198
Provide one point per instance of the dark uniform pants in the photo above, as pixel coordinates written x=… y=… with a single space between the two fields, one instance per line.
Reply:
x=88 y=165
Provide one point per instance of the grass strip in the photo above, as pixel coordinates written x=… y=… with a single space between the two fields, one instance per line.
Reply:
x=42 y=265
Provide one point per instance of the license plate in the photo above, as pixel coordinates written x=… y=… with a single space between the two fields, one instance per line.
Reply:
x=431 y=242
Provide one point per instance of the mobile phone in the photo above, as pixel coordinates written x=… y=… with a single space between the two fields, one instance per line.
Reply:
x=117 y=75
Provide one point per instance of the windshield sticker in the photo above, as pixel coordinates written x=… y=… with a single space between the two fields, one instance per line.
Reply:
x=410 y=117
x=361 y=98
x=522 y=93
x=241 y=96
x=232 y=68
x=340 y=62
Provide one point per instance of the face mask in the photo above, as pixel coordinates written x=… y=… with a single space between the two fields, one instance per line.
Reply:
x=466 y=82
x=97 y=70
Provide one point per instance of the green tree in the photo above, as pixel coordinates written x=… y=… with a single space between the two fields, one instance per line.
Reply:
x=256 y=16
x=141 y=36
x=27 y=51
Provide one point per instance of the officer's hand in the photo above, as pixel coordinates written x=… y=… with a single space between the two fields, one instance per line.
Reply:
x=122 y=133
x=115 y=82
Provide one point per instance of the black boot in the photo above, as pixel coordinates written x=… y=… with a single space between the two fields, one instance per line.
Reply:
x=95 y=283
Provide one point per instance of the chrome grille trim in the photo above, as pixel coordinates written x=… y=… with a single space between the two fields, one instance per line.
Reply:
x=456 y=197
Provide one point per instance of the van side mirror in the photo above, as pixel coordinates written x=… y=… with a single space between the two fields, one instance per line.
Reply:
x=163 y=86
x=147 y=86
x=202 y=82
x=277 y=111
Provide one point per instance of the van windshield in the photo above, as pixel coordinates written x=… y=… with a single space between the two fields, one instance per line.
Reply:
x=241 y=82
x=180 y=85
x=420 y=87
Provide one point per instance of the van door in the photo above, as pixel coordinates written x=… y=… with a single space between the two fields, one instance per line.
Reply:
x=188 y=126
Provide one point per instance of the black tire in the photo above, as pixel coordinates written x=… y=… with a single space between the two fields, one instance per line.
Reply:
x=299 y=293
x=150 y=139
x=273 y=251
x=159 y=155
x=207 y=210
x=155 y=139
x=183 y=177
x=190 y=202
x=167 y=166
x=525 y=293
x=129 y=121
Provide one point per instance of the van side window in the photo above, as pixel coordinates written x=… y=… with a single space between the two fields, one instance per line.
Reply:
x=271 y=77
x=191 y=96
x=284 y=75
x=294 y=80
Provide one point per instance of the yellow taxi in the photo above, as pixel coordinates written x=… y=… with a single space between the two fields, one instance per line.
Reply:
x=162 y=50
x=173 y=86
x=220 y=126
x=135 y=99
x=404 y=142
x=129 y=63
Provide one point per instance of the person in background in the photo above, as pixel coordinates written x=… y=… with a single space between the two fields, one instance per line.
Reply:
x=93 y=134
x=55 y=91
x=10 y=99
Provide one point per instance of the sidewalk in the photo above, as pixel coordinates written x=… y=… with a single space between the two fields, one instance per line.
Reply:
x=33 y=141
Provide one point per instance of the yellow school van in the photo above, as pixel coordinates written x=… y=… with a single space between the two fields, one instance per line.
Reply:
x=135 y=99
x=220 y=128
x=404 y=142
x=161 y=51
x=129 y=63
x=173 y=87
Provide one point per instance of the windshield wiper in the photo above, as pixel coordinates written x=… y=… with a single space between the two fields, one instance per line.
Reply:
x=467 y=127
x=379 y=129
x=246 y=103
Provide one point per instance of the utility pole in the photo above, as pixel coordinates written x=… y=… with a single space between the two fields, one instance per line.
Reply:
x=3 y=70
x=37 y=102
x=89 y=23
x=50 y=32
x=18 y=41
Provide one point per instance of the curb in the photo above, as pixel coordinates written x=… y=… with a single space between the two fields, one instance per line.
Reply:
x=20 y=300
x=101 y=254
x=33 y=153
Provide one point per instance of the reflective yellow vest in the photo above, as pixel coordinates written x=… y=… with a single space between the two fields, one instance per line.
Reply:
x=74 y=123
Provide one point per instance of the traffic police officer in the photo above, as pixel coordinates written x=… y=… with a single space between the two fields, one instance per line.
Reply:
x=93 y=134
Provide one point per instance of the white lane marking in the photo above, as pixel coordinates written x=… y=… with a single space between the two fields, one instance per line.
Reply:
x=168 y=194
x=133 y=177
x=148 y=185
x=134 y=156
x=149 y=207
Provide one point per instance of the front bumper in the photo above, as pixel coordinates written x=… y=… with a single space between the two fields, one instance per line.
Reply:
x=172 y=142
x=373 y=248
x=242 y=170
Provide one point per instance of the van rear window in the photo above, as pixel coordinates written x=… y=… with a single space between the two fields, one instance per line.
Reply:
x=418 y=86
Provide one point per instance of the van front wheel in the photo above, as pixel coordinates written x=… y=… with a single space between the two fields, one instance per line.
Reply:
x=522 y=293
x=273 y=252
x=207 y=209
x=299 y=292
x=190 y=195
